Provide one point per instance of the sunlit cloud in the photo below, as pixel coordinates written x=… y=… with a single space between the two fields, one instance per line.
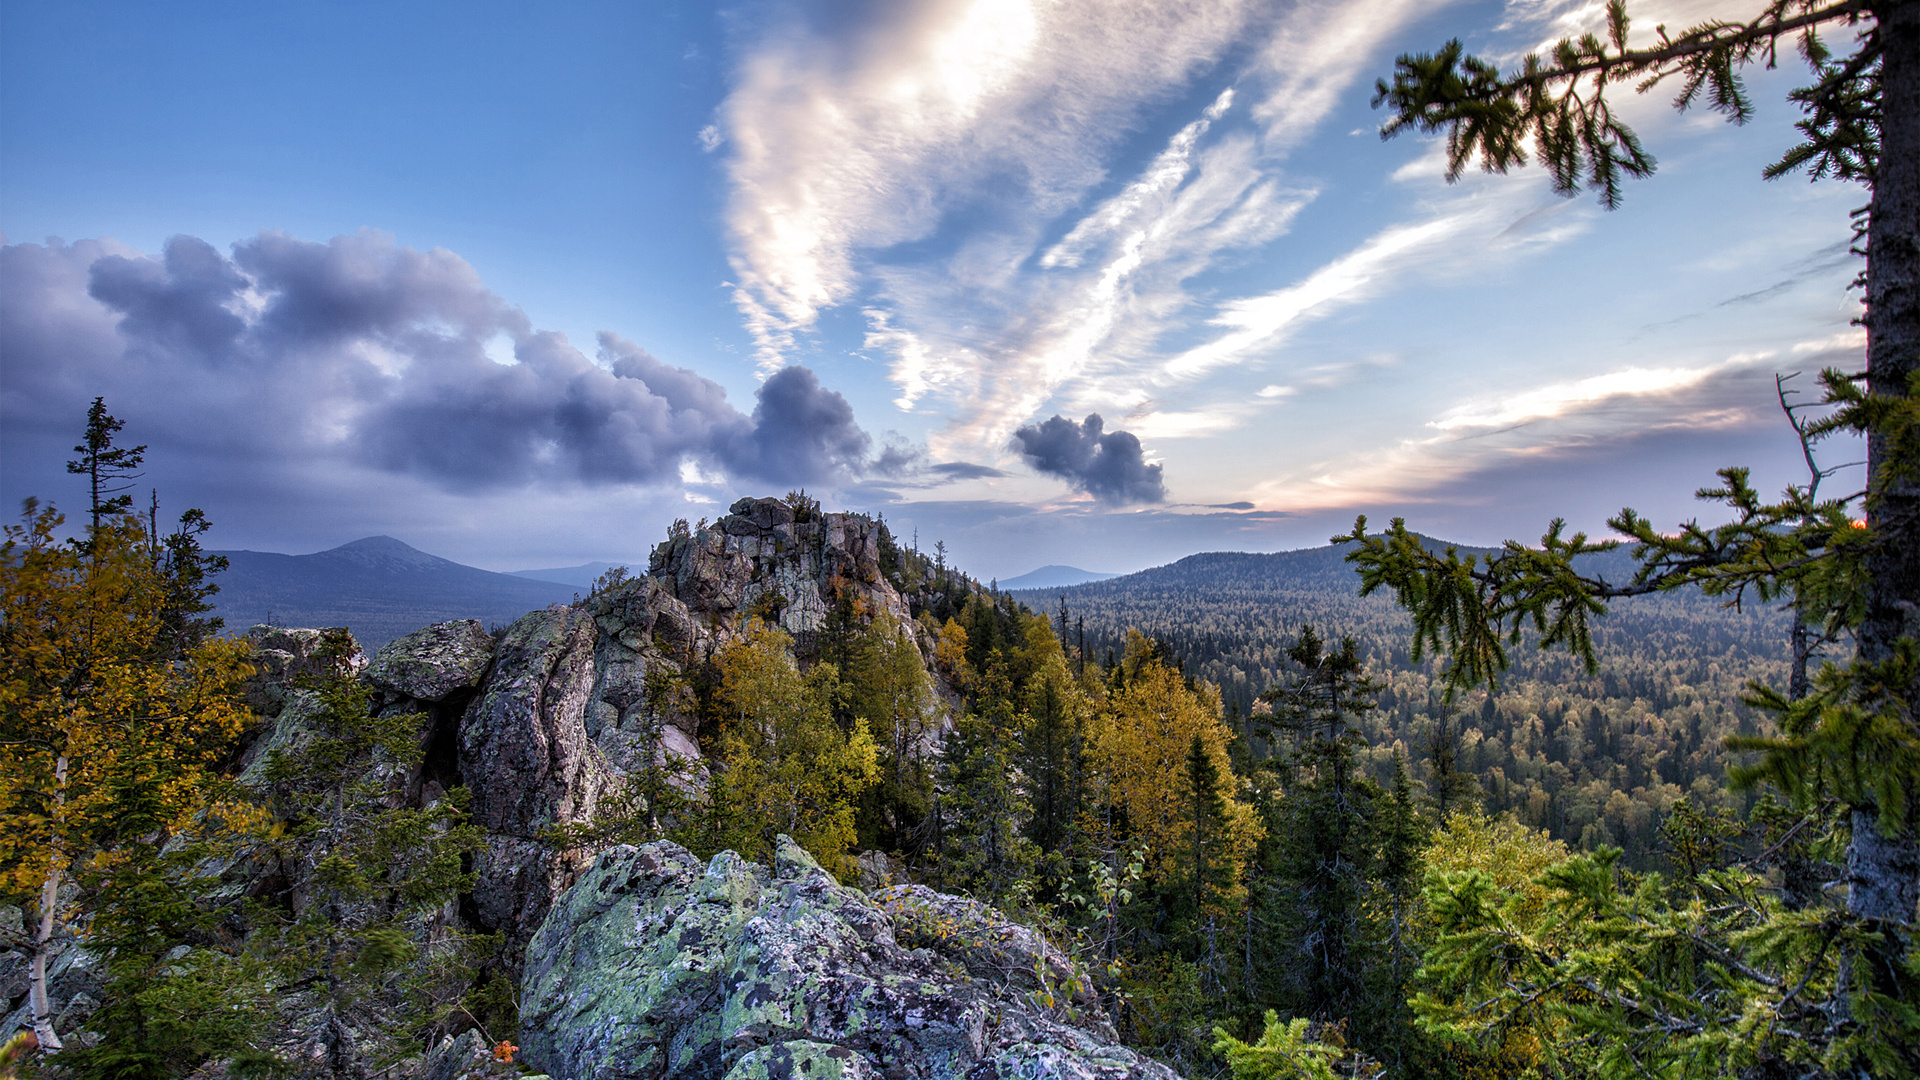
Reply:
x=850 y=144
x=1546 y=421
x=1260 y=321
x=1548 y=402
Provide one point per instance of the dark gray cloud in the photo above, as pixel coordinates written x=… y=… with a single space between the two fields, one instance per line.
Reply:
x=801 y=433
x=965 y=470
x=1109 y=465
x=362 y=351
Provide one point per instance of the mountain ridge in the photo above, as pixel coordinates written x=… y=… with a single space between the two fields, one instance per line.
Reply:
x=378 y=586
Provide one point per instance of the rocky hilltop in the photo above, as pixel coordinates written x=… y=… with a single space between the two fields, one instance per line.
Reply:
x=643 y=962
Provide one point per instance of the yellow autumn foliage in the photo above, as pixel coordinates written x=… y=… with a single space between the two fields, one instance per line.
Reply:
x=1141 y=745
x=104 y=741
x=789 y=768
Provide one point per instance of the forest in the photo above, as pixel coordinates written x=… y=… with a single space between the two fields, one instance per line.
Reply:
x=1262 y=892
x=1591 y=758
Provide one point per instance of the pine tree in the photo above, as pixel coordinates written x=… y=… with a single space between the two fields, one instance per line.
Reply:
x=1323 y=829
x=1854 y=736
x=1054 y=758
x=110 y=470
x=1448 y=788
x=981 y=806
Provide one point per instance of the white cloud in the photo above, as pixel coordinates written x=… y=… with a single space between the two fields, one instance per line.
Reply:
x=1257 y=322
x=844 y=147
x=1559 y=399
x=847 y=145
x=1314 y=57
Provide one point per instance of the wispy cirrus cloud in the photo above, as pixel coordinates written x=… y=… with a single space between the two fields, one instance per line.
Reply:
x=938 y=169
x=1547 y=421
x=847 y=143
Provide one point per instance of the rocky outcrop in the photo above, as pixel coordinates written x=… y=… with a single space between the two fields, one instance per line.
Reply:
x=655 y=966
x=282 y=657
x=433 y=663
x=575 y=699
x=761 y=559
x=525 y=758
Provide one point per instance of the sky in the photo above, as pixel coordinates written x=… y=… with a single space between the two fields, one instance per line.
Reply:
x=1096 y=284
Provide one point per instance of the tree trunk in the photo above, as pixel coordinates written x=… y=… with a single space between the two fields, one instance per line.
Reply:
x=41 y=1007
x=1884 y=871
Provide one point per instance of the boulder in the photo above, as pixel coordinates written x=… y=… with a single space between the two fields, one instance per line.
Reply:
x=654 y=965
x=982 y=940
x=433 y=662
x=525 y=758
x=283 y=656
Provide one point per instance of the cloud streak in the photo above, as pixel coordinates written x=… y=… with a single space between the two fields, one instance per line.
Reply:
x=947 y=170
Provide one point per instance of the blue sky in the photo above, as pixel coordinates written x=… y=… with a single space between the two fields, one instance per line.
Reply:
x=521 y=285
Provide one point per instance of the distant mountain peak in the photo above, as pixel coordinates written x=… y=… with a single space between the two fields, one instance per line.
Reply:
x=384 y=553
x=1049 y=577
x=375 y=543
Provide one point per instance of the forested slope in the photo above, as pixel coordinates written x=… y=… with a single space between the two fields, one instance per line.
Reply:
x=1592 y=758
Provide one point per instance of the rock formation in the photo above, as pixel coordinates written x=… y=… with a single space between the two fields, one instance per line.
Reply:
x=642 y=962
x=654 y=966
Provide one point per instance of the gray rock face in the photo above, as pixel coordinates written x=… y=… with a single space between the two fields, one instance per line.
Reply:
x=759 y=560
x=281 y=657
x=433 y=662
x=525 y=757
x=654 y=966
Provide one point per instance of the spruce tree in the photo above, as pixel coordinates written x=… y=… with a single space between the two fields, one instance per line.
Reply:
x=1849 y=564
x=110 y=470
x=370 y=881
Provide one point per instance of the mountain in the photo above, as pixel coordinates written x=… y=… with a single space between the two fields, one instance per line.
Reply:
x=1054 y=577
x=580 y=577
x=379 y=587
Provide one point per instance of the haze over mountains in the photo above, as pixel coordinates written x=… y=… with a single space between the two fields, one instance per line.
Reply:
x=383 y=588
x=380 y=587
x=580 y=577
x=1054 y=577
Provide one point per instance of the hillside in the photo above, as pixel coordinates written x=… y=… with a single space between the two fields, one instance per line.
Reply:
x=380 y=587
x=1591 y=758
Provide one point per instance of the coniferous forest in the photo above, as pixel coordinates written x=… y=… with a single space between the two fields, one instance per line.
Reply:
x=1591 y=758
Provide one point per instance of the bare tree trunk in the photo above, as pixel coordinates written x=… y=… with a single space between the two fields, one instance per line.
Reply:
x=1884 y=871
x=41 y=1005
x=37 y=975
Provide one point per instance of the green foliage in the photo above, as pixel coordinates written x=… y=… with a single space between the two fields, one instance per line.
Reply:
x=787 y=767
x=174 y=998
x=1285 y=1052
x=610 y=579
x=1558 y=102
x=805 y=507
x=373 y=879
x=1554 y=744
x=1702 y=975
x=982 y=808
x=889 y=689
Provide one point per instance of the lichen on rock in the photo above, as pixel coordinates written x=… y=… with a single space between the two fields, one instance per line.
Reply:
x=654 y=965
